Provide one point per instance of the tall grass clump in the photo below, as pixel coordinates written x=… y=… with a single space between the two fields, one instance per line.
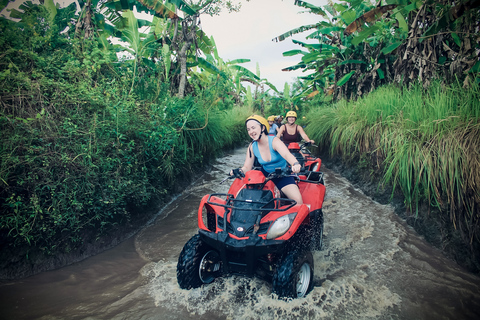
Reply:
x=426 y=143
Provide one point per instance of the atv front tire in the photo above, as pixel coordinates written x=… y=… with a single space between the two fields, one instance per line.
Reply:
x=197 y=264
x=293 y=277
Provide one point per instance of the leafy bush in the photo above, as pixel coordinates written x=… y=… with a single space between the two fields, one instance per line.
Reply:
x=81 y=149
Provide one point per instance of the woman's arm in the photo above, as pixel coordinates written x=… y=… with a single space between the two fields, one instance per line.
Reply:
x=249 y=159
x=280 y=131
x=281 y=148
x=304 y=135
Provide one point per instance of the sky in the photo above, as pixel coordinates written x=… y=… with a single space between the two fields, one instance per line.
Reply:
x=248 y=34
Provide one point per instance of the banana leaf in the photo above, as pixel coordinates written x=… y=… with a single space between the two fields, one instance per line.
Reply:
x=311 y=7
x=345 y=78
x=245 y=72
x=364 y=34
x=161 y=10
x=295 y=67
x=316 y=46
x=293 y=53
x=313 y=56
x=207 y=66
x=4 y=3
x=294 y=31
x=323 y=31
x=182 y=5
x=238 y=61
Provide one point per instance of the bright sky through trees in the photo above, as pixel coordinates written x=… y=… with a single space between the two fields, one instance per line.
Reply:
x=248 y=34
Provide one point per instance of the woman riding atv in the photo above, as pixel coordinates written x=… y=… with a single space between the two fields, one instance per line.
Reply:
x=271 y=154
x=291 y=132
x=273 y=126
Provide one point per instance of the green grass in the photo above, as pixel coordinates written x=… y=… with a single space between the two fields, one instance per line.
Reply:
x=427 y=144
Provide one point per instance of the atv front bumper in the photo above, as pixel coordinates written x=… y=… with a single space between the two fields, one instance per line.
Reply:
x=241 y=256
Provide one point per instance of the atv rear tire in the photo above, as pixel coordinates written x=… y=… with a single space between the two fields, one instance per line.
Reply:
x=293 y=277
x=197 y=264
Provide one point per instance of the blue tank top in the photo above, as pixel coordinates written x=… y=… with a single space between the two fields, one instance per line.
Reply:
x=277 y=160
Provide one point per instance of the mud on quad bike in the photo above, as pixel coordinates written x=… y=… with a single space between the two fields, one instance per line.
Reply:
x=253 y=231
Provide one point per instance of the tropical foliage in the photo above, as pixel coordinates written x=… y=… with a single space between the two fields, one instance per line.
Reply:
x=421 y=136
x=358 y=46
x=90 y=138
x=103 y=113
x=426 y=144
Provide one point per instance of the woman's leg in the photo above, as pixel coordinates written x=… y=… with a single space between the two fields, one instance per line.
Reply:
x=292 y=192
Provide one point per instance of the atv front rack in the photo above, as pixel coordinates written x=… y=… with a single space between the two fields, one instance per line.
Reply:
x=252 y=205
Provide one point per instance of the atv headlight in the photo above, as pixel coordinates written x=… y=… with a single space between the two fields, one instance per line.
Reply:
x=281 y=225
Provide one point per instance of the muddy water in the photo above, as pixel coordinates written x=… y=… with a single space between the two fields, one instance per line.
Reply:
x=373 y=266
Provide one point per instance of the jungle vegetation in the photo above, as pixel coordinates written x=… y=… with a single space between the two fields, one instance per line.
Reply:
x=94 y=130
x=403 y=80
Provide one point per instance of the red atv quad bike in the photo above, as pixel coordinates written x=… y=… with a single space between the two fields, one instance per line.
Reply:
x=252 y=230
x=310 y=164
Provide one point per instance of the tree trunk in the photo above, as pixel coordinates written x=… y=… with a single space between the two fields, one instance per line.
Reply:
x=189 y=30
x=84 y=22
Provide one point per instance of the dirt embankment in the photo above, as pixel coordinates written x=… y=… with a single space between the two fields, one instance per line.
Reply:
x=433 y=225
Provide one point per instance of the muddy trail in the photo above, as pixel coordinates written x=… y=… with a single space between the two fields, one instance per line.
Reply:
x=372 y=266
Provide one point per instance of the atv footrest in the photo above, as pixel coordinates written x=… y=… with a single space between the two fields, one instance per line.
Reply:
x=235 y=267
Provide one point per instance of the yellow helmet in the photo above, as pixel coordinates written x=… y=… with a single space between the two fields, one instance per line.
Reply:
x=271 y=118
x=260 y=120
x=291 y=114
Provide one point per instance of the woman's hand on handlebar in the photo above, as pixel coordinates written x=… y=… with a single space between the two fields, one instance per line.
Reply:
x=296 y=167
x=238 y=172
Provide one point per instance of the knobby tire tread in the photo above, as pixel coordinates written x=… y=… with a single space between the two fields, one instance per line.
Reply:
x=189 y=262
x=284 y=278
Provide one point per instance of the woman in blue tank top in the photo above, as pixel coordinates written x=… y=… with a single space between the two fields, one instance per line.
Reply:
x=271 y=153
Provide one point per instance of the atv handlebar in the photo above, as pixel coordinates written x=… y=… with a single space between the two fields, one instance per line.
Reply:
x=307 y=144
x=280 y=173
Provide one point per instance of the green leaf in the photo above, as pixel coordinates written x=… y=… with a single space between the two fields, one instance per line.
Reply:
x=52 y=10
x=456 y=39
x=182 y=5
x=295 y=67
x=294 y=31
x=442 y=60
x=4 y=3
x=310 y=57
x=475 y=68
x=161 y=10
x=339 y=7
x=345 y=78
x=402 y=24
x=236 y=61
x=207 y=66
x=391 y=47
x=293 y=52
x=245 y=72
x=380 y=73
x=313 y=9
x=349 y=16
x=364 y=34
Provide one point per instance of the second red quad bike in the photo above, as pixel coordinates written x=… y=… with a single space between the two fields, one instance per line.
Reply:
x=254 y=231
